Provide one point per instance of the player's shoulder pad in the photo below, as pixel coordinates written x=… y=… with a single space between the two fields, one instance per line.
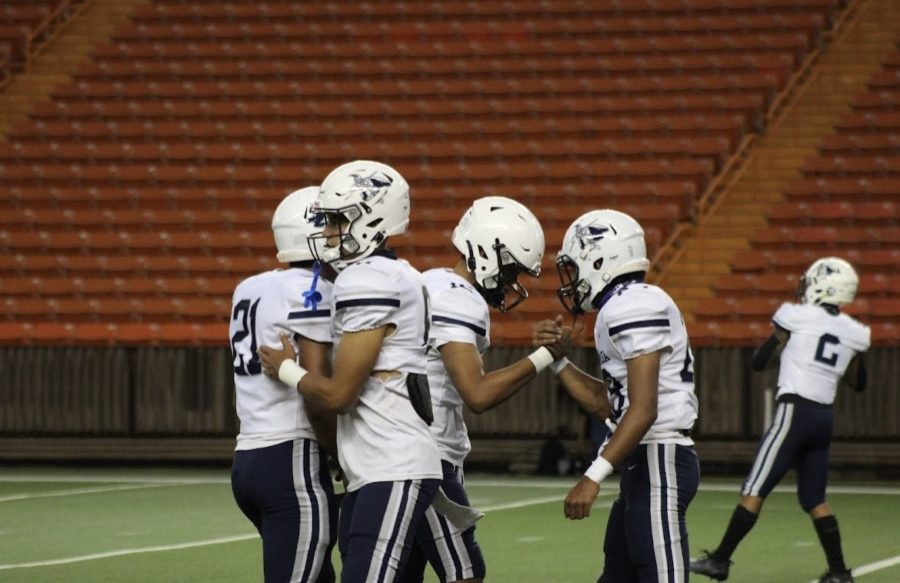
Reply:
x=365 y=279
x=788 y=314
x=635 y=304
x=861 y=334
x=455 y=302
x=253 y=282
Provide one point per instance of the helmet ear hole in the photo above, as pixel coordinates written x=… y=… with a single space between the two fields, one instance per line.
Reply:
x=598 y=264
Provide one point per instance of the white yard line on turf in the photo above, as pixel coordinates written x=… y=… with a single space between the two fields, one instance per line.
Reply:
x=487 y=483
x=156 y=549
x=226 y=539
x=872 y=567
x=111 y=479
x=77 y=491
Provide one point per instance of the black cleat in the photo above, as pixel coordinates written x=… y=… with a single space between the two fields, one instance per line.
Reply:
x=830 y=577
x=712 y=568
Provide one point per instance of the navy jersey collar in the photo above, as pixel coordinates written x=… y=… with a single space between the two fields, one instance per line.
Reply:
x=386 y=253
x=615 y=286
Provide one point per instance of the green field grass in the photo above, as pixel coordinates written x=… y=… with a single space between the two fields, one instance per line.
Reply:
x=143 y=526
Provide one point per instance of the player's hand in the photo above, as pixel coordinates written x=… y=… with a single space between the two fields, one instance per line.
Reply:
x=580 y=498
x=271 y=358
x=552 y=334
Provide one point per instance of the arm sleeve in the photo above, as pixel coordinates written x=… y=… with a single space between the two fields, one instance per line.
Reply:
x=364 y=299
x=456 y=316
x=770 y=349
x=856 y=377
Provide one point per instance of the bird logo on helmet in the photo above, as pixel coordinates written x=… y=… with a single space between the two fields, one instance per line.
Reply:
x=599 y=247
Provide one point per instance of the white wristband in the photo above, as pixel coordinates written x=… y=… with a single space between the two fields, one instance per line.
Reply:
x=599 y=470
x=290 y=373
x=541 y=359
x=559 y=364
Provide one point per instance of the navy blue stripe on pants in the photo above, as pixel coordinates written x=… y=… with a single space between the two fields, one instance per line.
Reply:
x=285 y=490
x=646 y=535
x=377 y=526
x=453 y=553
x=800 y=438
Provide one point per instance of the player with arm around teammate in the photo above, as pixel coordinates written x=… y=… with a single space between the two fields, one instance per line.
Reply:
x=280 y=477
x=498 y=239
x=819 y=348
x=378 y=388
x=647 y=371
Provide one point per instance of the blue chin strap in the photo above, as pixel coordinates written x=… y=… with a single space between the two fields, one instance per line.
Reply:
x=312 y=297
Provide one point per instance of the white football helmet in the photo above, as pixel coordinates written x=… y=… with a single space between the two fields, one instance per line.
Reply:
x=597 y=248
x=372 y=198
x=294 y=223
x=499 y=239
x=829 y=280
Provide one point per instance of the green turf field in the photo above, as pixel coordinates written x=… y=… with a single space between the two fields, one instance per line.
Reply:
x=157 y=526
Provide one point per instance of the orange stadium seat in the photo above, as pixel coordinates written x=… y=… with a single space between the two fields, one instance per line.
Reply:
x=139 y=196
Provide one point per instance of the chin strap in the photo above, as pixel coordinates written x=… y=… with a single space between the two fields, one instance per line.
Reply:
x=311 y=297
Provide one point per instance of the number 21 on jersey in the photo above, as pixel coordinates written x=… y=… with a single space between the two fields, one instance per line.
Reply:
x=245 y=359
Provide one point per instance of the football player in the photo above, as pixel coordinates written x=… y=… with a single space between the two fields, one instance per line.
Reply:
x=280 y=477
x=819 y=348
x=647 y=375
x=379 y=386
x=498 y=239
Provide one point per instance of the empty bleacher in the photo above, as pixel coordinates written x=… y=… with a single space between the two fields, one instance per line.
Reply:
x=157 y=167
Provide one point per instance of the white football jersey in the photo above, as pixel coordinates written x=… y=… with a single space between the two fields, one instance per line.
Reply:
x=818 y=351
x=639 y=318
x=382 y=439
x=458 y=314
x=263 y=306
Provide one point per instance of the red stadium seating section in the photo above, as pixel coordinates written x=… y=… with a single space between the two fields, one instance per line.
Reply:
x=140 y=194
x=846 y=205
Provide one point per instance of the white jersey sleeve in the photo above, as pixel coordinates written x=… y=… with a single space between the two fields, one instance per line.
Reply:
x=640 y=328
x=788 y=316
x=308 y=309
x=458 y=312
x=364 y=299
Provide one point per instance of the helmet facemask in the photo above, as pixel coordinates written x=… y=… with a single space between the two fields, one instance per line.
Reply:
x=573 y=289
x=339 y=247
x=502 y=291
x=599 y=247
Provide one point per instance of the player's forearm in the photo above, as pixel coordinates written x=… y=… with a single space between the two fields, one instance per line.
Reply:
x=324 y=426
x=329 y=394
x=628 y=434
x=499 y=385
x=587 y=390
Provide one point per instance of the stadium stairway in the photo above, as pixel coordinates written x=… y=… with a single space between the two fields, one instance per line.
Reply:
x=61 y=57
x=730 y=217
